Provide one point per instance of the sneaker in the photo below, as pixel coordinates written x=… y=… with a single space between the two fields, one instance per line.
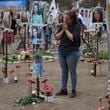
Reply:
x=73 y=94
x=62 y=92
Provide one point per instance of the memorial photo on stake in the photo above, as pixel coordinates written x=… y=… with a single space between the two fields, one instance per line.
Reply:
x=36 y=36
x=1 y=18
x=36 y=16
x=24 y=17
x=98 y=15
x=7 y=19
x=18 y=15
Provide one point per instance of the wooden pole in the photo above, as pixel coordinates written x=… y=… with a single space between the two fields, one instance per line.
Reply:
x=6 y=55
x=108 y=29
x=27 y=5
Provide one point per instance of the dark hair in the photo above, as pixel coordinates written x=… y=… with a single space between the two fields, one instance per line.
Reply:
x=11 y=13
x=62 y=19
x=33 y=8
x=38 y=32
x=24 y=19
x=34 y=27
x=73 y=16
x=2 y=14
x=99 y=10
x=86 y=10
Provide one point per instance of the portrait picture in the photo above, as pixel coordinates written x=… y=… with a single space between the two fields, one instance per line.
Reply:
x=18 y=15
x=39 y=12
x=86 y=14
x=36 y=16
x=98 y=15
x=24 y=17
x=36 y=35
x=1 y=18
x=7 y=19
x=46 y=13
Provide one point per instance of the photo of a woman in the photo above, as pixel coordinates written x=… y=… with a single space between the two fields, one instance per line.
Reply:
x=24 y=17
x=98 y=15
x=36 y=37
x=1 y=18
x=36 y=17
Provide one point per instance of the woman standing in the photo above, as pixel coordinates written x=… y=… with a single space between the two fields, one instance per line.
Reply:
x=68 y=51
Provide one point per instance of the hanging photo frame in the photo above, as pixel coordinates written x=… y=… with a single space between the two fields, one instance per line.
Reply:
x=18 y=15
x=1 y=19
x=7 y=19
x=46 y=13
x=98 y=15
x=36 y=35
x=39 y=12
x=24 y=17
x=37 y=21
x=86 y=14
x=36 y=16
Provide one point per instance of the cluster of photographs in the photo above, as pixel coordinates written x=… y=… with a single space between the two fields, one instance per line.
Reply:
x=92 y=17
x=36 y=18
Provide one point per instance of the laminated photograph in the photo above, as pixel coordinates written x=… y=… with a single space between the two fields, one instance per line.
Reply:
x=24 y=17
x=86 y=16
x=1 y=19
x=18 y=15
x=98 y=15
x=36 y=36
x=7 y=19
x=36 y=16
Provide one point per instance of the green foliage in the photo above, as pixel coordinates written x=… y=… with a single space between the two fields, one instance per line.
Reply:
x=104 y=55
x=11 y=58
x=24 y=101
x=46 y=53
x=101 y=55
x=92 y=3
x=29 y=100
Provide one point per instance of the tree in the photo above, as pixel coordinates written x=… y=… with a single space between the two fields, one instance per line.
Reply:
x=92 y=3
x=68 y=4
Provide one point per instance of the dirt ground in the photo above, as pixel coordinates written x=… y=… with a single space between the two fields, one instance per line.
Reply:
x=88 y=91
x=89 y=88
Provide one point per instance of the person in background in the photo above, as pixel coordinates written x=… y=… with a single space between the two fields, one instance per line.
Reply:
x=86 y=13
x=60 y=21
x=68 y=52
x=82 y=12
x=48 y=32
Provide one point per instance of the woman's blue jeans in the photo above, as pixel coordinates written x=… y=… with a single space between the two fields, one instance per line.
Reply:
x=68 y=62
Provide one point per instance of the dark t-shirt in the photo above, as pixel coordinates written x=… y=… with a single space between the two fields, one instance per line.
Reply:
x=67 y=45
